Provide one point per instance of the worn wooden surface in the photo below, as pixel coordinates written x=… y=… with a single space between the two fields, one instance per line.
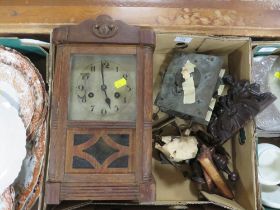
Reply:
x=134 y=207
x=87 y=206
x=217 y=17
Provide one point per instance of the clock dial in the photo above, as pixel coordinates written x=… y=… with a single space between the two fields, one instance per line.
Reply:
x=103 y=87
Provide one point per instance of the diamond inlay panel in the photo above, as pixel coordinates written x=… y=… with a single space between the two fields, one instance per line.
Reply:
x=100 y=151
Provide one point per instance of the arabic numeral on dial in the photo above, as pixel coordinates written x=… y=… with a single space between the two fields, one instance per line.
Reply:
x=85 y=76
x=81 y=87
x=83 y=98
x=106 y=64
x=103 y=111
x=128 y=88
x=124 y=100
x=116 y=108
x=117 y=69
x=125 y=75
x=92 y=108
x=92 y=68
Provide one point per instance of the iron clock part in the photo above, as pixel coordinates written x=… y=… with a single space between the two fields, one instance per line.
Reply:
x=205 y=75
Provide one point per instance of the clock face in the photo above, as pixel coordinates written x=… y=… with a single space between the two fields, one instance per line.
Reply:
x=102 y=87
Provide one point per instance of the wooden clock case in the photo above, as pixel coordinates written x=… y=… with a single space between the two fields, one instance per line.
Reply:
x=134 y=182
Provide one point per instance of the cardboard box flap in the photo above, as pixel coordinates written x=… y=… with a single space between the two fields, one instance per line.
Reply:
x=167 y=42
x=221 y=201
x=221 y=46
x=171 y=185
x=245 y=165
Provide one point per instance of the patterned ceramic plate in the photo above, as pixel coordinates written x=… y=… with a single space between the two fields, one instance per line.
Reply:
x=31 y=107
x=18 y=71
x=27 y=180
x=27 y=187
x=11 y=125
x=7 y=199
x=8 y=75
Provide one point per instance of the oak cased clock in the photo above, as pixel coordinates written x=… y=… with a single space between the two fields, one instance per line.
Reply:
x=101 y=113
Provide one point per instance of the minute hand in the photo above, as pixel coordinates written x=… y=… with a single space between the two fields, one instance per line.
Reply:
x=104 y=87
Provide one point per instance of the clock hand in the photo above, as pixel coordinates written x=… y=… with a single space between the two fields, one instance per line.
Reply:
x=108 y=101
x=104 y=87
x=102 y=73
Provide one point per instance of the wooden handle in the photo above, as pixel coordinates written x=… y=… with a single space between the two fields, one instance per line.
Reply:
x=206 y=162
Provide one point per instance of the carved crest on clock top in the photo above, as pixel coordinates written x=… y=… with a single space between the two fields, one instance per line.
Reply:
x=105 y=27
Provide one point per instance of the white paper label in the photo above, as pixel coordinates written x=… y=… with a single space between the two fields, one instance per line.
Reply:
x=221 y=89
x=183 y=39
x=267 y=49
x=188 y=84
x=212 y=103
x=222 y=73
x=208 y=115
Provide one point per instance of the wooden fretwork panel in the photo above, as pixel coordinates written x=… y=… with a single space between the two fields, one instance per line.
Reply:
x=99 y=151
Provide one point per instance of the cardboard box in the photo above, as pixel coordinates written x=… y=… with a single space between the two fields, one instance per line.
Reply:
x=171 y=187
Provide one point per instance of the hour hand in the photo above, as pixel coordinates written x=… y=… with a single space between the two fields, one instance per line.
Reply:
x=108 y=101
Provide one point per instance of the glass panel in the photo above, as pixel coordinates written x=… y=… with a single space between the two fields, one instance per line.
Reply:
x=81 y=138
x=102 y=87
x=95 y=151
x=121 y=162
x=122 y=139
x=81 y=163
x=100 y=151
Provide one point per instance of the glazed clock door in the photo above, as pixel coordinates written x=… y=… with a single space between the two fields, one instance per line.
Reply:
x=101 y=119
x=102 y=88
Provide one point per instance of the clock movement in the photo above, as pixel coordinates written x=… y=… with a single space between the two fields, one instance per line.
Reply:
x=101 y=113
x=205 y=83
